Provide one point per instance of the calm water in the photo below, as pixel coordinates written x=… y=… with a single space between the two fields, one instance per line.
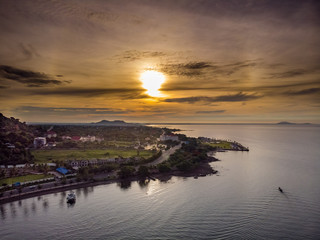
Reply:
x=241 y=202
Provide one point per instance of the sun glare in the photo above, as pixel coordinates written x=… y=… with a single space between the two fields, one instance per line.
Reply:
x=151 y=81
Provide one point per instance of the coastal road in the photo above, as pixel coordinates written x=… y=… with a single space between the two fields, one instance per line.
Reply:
x=165 y=155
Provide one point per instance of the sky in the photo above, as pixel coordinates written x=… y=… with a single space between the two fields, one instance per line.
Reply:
x=236 y=61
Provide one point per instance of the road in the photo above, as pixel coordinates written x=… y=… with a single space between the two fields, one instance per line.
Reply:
x=165 y=155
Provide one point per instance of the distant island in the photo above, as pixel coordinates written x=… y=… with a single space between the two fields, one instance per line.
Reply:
x=285 y=123
x=290 y=123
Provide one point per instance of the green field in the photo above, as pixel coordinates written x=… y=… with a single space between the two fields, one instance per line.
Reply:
x=120 y=143
x=44 y=156
x=30 y=177
x=222 y=144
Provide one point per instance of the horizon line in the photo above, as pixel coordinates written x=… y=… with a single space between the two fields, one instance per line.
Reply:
x=168 y=123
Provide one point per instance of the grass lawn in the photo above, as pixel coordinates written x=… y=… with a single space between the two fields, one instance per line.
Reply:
x=50 y=155
x=30 y=177
x=222 y=144
x=121 y=143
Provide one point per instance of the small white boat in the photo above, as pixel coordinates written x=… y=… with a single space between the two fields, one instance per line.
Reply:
x=71 y=198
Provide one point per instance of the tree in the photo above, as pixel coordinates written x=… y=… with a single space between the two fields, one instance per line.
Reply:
x=126 y=171
x=143 y=172
x=45 y=169
x=2 y=173
x=163 y=167
x=84 y=173
x=184 y=166
x=13 y=171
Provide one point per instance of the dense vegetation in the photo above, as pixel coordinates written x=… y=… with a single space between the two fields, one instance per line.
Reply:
x=15 y=139
x=188 y=157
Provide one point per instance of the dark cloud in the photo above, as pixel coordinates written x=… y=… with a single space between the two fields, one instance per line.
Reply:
x=197 y=65
x=185 y=69
x=70 y=111
x=30 y=78
x=210 y=112
x=239 y=97
x=303 y=92
x=290 y=74
x=133 y=55
x=198 y=68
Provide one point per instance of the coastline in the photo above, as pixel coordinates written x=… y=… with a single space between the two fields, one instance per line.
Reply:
x=204 y=169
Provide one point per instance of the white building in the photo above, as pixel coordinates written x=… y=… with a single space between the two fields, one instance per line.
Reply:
x=39 y=142
x=88 y=139
x=166 y=137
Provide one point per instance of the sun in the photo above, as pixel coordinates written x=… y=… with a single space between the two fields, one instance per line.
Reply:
x=151 y=81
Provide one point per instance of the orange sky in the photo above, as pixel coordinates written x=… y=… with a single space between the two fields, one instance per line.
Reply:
x=223 y=61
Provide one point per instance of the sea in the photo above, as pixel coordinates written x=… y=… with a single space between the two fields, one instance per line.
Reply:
x=242 y=201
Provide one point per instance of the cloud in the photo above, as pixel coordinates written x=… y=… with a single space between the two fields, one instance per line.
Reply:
x=70 y=111
x=239 y=97
x=124 y=93
x=291 y=73
x=303 y=92
x=133 y=55
x=273 y=88
x=28 y=51
x=185 y=69
x=30 y=78
x=201 y=67
x=209 y=112
x=102 y=16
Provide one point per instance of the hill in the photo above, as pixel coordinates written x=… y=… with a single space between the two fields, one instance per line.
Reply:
x=115 y=123
x=15 y=138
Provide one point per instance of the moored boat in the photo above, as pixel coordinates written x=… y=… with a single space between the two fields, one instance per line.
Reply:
x=71 y=198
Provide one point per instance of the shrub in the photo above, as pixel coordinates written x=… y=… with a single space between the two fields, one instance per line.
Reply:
x=126 y=171
x=163 y=168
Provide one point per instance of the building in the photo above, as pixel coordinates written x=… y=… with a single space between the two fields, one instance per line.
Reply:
x=62 y=170
x=94 y=161
x=166 y=137
x=88 y=139
x=11 y=146
x=39 y=142
x=51 y=144
x=76 y=138
x=66 y=138
x=51 y=134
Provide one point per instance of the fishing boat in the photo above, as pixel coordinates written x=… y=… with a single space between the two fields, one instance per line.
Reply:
x=71 y=198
